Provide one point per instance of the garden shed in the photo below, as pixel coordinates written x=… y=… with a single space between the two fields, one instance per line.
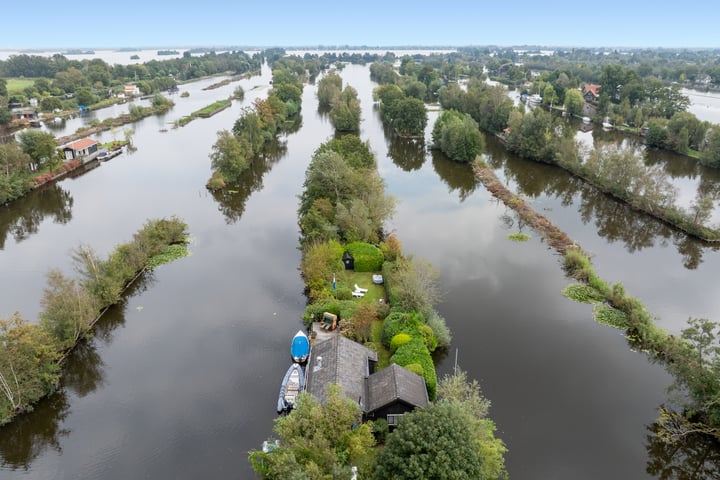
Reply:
x=348 y=260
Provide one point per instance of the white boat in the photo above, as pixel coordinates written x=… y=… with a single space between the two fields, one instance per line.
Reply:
x=293 y=383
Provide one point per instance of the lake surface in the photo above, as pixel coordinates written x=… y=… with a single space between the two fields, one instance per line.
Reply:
x=180 y=381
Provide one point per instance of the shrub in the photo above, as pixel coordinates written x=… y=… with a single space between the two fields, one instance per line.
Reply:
x=416 y=368
x=415 y=351
x=429 y=338
x=398 y=340
x=400 y=322
x=380 y=429
x=439 y=328
x=368 y=258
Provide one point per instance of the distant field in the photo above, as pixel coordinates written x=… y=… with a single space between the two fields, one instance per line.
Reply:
x=18 y=85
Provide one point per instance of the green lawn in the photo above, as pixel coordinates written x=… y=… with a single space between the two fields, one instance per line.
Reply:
x=376 y=338
x=348 y=279
x=18 y=85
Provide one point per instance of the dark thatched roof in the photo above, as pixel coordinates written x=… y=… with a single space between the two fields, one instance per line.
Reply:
x=341 y=361
x=395 y=383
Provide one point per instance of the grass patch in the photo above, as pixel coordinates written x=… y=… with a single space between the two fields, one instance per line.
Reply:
x=582 y=293
x=210 y=109
x=519 y=237
x=18 y=85
x=377 y=345
x=349 y=278
x=612 y=317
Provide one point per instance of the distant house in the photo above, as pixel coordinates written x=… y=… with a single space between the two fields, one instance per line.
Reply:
x=131 y=90
x=386 y=394
x=24 y=114
x=85 y=148
x=591 y=92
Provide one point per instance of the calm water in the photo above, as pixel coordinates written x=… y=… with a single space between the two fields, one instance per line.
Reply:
x=179 y=381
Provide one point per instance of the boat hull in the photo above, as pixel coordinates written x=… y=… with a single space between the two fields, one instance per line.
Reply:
x=293 y=383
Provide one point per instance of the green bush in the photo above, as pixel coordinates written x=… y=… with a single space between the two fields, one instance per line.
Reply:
x=368 y=258
x=400 y=322
x=415 y=351
x=416 y=368
x=439 y=328
x=398 y=340
x=428 y=336
x=380 y=429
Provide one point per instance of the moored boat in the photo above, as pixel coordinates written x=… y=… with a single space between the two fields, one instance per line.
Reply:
x=293 y=383
x=300 y=347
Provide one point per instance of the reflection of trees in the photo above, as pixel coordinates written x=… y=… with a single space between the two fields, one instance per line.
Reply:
x=406 y=153
x=83 y=369
x=692 y=457
x=23 y=216
x=614 y=220
x=232 y=199
x=29 y=435
x=458 y=176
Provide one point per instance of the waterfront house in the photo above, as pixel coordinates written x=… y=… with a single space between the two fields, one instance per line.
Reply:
x=591 y=92
x=131 y=90
x=85 y=148
x=387 y=394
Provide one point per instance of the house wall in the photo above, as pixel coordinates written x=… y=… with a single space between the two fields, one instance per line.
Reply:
x=398 y=408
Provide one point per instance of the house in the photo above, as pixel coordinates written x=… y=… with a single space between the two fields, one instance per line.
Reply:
x=85 y=148
x=386 y=394
x=591 y=92
x=131 y=90
x=394 y=391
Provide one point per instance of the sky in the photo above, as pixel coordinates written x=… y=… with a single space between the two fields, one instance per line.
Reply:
x=214 y=23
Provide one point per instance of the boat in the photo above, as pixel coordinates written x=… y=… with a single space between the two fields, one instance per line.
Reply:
x=293 y=383
x=270 y=445
x=300 y=347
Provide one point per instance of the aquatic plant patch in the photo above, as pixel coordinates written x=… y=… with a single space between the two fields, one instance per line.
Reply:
x=612 y=317
x=582 y=293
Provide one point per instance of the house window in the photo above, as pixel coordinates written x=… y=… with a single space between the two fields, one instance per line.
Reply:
x=393 y=419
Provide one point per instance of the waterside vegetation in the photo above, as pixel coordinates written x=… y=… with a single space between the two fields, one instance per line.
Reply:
x=31 y=354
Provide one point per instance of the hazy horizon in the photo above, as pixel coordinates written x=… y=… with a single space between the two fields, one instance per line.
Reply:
x=562 y=24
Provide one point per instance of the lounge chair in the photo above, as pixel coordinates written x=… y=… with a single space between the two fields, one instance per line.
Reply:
x=358 y=289
x=358 y=294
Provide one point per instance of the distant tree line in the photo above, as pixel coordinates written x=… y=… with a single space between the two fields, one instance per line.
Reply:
x=257 y=127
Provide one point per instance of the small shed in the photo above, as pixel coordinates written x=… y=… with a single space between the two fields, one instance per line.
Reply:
x=348 y=260
x=393 y=392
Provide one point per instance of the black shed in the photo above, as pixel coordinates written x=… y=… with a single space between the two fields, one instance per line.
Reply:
x=348 y=260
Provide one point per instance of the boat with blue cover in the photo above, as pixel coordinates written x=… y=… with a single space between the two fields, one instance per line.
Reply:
x=300 y=347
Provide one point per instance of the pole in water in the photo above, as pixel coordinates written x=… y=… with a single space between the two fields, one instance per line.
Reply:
x=456 y=355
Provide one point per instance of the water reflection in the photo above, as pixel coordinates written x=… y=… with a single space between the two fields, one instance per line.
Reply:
x=459 y=177
x=231 y=200
x=691 y=457
x=613 y=220
x=23 y=217
x=30 y=435
x=406 y=153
